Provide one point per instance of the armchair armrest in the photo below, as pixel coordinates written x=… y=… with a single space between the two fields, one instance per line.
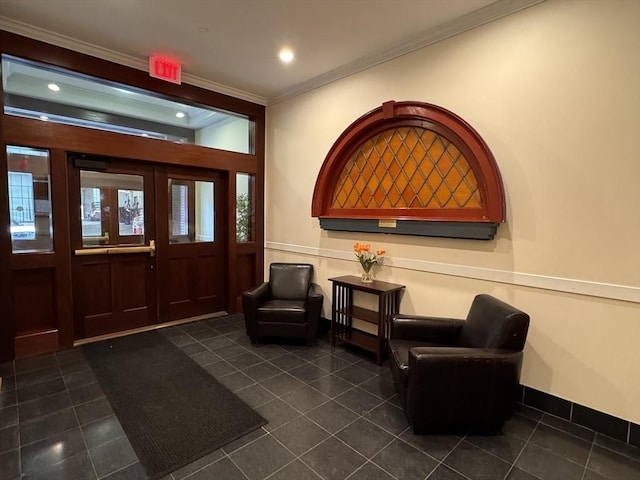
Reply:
x=314 y=292
x=251 y=300
x=258 y=294
x=462 y=384
x=436 y=330
x=420 y=356
x=314 y=300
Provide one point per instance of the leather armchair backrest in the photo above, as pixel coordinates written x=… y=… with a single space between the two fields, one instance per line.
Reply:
x=491 y=323
x=290 y=281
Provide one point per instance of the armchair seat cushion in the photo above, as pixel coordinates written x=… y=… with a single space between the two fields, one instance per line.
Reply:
x=290 y=311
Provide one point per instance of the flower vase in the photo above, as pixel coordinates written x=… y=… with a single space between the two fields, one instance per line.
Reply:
x=367 y=277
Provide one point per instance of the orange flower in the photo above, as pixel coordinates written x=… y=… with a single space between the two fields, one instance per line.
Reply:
x=361 y=247
x=366 y=257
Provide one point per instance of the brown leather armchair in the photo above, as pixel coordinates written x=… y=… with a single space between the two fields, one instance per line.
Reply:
x=288 y=305
x=456 y=373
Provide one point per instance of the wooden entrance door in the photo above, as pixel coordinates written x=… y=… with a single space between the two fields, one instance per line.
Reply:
x=192 y=261
x=112 y=226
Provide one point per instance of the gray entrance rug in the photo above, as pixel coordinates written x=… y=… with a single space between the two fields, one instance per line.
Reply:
x=172 y=410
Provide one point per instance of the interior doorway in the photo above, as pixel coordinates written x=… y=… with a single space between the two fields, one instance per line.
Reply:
x=112 y=226
x=146 y=244
x=192 y=230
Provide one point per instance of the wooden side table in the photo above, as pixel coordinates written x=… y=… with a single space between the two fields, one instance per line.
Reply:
x=343 y=312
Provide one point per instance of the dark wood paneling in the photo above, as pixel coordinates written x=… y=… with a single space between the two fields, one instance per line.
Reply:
x=33 y=293
x=62 y=247
x=179 y=278
x=32 y=344
x=132 y=292
x=44 y=277
x=196 y=285
x=26 y=261
x=245 y=269
x=95 y=290
x=194 y=274
x=7 y=323
x=114 y=295
x=207 y=277
x=211 y=285
x=62 y=140
x=39 y=134
x=137 y=305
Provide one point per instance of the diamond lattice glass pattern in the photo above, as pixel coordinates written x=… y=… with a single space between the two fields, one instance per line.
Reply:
x=407 y=167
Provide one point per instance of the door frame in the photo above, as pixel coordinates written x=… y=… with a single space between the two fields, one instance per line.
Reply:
x=76 y=164
x=163 y=173
x=245 y=260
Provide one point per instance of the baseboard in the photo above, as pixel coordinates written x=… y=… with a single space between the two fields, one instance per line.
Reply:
x=614 y=427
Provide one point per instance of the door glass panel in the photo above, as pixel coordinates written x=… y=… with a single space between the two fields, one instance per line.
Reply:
x=205 y=211
x=191 y=211
x=244 y=208
x=130 y=216
x=179 y=210
x=112 y=208
x=29 y=200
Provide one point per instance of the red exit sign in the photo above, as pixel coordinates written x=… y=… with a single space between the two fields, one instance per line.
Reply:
x=165 y=69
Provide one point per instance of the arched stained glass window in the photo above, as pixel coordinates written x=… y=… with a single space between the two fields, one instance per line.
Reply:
x=410 y=168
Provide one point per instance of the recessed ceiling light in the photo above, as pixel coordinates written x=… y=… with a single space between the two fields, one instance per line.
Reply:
x=53 y=87
x=286 y=55
x=180 y=115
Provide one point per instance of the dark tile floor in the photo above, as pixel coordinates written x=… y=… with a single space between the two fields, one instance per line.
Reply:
x=332 y=413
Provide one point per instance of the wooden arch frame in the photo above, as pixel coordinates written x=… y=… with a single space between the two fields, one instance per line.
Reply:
x=479 y=223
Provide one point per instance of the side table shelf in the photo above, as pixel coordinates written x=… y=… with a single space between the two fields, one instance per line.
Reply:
x=343 y=312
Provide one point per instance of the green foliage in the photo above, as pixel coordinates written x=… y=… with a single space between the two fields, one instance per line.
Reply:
x=243 y=218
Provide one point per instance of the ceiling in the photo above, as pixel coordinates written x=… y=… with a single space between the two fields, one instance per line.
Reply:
x=232 y=46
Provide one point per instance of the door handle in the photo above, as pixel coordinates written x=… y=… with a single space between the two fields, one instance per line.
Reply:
x=100 y=239
x=150 y=249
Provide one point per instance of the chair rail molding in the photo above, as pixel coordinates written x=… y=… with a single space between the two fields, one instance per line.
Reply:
x=625 y=293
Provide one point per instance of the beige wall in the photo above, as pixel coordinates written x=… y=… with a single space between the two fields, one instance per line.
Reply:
x=554 y=92
x=231 y=134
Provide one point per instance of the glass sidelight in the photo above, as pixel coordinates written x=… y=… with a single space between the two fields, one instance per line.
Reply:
x=111 y=208
x=244 y=207
x=29 y=200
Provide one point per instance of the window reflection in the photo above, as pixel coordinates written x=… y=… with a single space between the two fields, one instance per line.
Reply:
x=130 y=212
x=29 y=200
x=191 y=211
x=95 y=103
x=112 y=208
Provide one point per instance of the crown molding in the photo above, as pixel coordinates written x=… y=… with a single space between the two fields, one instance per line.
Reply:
x=491 y=12
x=30 y=31
x=625 y=293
